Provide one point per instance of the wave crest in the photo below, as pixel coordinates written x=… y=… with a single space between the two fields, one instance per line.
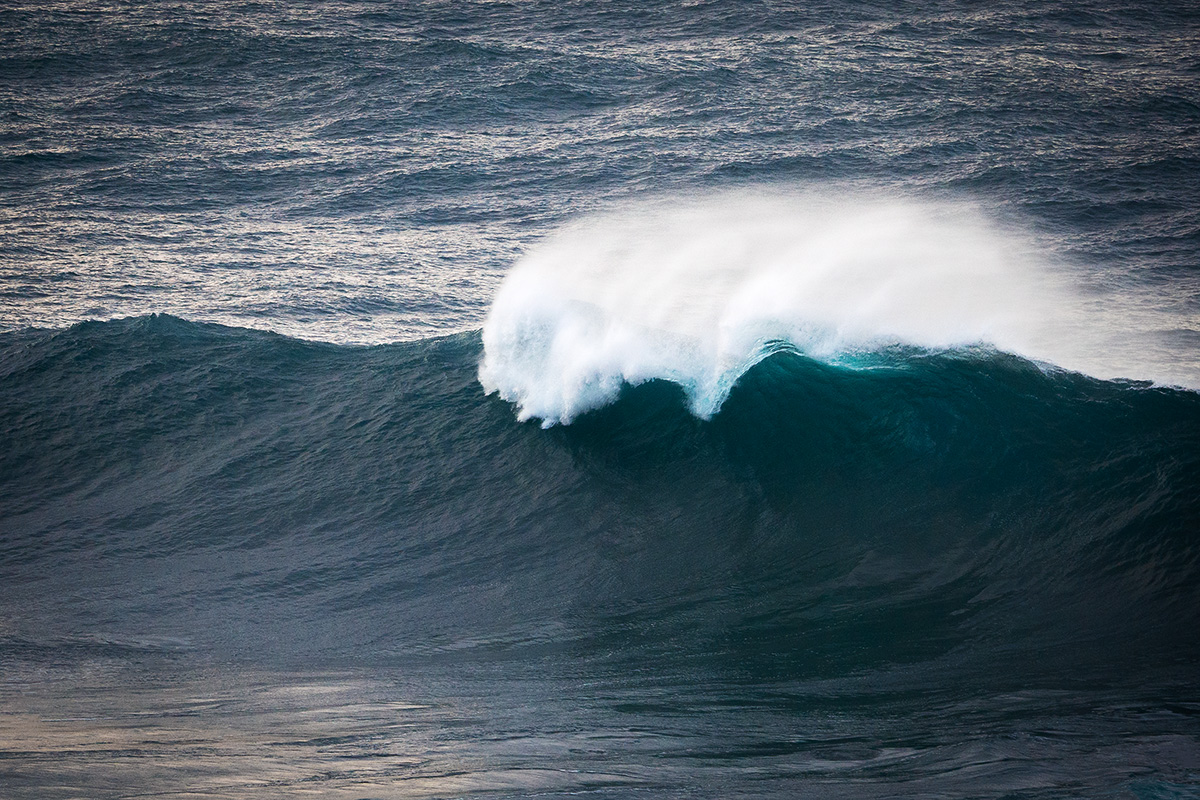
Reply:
x=696 y=293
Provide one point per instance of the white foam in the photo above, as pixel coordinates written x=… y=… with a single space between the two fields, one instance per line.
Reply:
x=696 y=292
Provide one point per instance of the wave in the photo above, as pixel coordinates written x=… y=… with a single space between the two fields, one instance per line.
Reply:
x=698 y=292
x=250 y=493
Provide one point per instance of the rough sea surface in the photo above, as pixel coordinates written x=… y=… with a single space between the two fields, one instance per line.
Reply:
x=628 y=400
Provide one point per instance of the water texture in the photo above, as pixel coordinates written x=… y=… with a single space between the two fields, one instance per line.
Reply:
x=632 y=400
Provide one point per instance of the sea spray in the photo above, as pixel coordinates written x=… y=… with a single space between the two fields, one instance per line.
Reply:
x=697 y=292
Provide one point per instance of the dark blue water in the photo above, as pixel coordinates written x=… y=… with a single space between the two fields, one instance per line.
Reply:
x=264 y=534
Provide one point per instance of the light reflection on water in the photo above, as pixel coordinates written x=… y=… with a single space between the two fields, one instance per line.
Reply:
x=116 y=732
x=253 y=734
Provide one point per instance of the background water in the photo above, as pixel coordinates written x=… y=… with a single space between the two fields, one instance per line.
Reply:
x=237 y=563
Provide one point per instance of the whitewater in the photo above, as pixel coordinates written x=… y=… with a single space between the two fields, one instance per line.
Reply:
x=697 y=292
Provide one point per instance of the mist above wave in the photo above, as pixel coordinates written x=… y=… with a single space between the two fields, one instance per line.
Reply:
x=696 y=292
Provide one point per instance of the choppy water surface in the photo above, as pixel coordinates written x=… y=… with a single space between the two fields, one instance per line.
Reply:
x=639 y=400
x=357 y=172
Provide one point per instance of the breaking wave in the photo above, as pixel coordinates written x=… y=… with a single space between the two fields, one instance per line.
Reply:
x=698 y=292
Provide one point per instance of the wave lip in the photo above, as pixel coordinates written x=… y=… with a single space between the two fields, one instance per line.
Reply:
x=697 y=293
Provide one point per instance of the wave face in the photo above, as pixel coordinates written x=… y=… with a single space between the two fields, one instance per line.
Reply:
x=840 y=571
x=825 y=518
x=697 y=293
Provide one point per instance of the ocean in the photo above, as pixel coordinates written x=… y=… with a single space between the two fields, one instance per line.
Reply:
x=628 y=400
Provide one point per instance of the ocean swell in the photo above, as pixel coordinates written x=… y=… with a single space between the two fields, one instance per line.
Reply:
x=172 y=480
